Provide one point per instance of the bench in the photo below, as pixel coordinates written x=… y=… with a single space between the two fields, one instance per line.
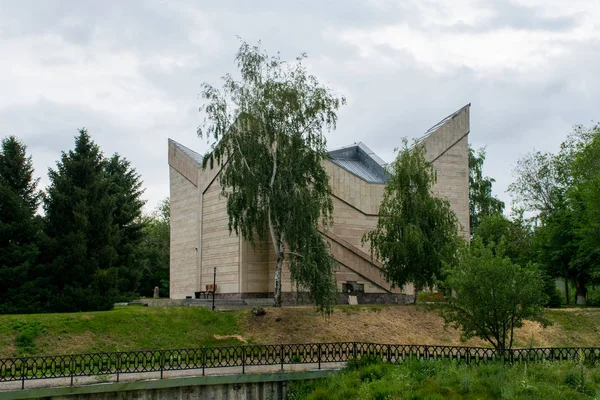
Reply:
x=210 y=290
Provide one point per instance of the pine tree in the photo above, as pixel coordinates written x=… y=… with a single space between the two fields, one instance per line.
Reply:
x=126 y=189
x=82 y=233
x=22 y=290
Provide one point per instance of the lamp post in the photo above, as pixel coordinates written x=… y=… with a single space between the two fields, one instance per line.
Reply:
x=214 y=287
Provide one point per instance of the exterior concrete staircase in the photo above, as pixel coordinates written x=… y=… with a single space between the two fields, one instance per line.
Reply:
x=358 y=261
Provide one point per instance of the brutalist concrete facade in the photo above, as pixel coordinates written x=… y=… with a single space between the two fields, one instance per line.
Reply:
x=200 y=239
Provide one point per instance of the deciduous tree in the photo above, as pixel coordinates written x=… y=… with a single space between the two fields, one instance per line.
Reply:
x=491 y=295
x=416 y=232
x=268 y=137
x=153 y=252
x=482 y=202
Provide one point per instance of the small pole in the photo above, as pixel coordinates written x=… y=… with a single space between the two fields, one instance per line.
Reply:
x=162 y=362
x=243 y=359
x=282 y=357
x=319 y=354
x=214 y=286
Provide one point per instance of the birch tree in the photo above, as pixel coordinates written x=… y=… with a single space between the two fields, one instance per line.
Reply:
x=267 y=135
x=416 y=232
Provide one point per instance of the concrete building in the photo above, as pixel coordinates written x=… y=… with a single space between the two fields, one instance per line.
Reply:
x=200 y=239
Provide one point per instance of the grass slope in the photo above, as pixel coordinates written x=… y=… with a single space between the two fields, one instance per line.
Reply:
x=136 y=328
x=411 y=325
x=124 y=328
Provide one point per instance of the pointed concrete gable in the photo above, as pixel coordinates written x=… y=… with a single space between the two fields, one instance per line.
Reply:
x=446 y=134
x=185 y=161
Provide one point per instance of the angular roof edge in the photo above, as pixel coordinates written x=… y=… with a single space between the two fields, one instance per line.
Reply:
x=196 y=157
x=443 y=122
x=361 y=161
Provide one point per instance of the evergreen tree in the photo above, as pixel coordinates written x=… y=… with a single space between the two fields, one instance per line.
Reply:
x=126 y=189
x=83 y=236
x=22 y=287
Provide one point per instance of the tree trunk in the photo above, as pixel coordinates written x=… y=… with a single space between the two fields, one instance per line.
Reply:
x=278 y=268
x=416 y=295
x=581 y=292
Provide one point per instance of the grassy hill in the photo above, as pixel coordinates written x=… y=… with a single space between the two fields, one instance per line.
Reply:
x=133 y=328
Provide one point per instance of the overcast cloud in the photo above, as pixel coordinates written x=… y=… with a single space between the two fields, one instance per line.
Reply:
x=130 y=71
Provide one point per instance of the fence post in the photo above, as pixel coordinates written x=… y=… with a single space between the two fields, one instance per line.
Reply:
x=23 y=368
x=243 y=359
x=162 y=362
x=71 y=370
x=203 y=360
x=281 y=357
x=389 y=353
x=319 y=354
x=354 y=350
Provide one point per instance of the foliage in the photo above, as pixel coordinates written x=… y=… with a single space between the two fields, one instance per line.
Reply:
x=492 y=295
x=153 y=251
x=126 y=190
x=516 y=235
x=83 y=236
x=26 y=335
x=267 y=133
x=443 y=379
x=22 y=288
x=416 y=232
x=562 y=189
x=83 y=254
x=482 y=202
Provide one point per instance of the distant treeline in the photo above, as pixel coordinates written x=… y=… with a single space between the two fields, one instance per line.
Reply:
x=92 y=245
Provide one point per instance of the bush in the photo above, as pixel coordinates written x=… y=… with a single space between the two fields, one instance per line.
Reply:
x=431 y=297
x=363 y=362
x=26 y=335
x=555 y=299
x=373 y=372
x=593 y=296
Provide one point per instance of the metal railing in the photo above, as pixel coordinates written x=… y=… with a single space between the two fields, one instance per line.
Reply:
x=117 y=363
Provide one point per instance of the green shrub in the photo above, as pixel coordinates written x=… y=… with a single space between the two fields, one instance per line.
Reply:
x=26 y=335
x=555 y=299
x=593 y=296
x=319 y=394
x=373 y=372
x=358 y=363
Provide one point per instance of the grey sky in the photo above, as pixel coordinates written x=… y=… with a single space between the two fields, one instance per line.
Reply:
x=130 y=71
